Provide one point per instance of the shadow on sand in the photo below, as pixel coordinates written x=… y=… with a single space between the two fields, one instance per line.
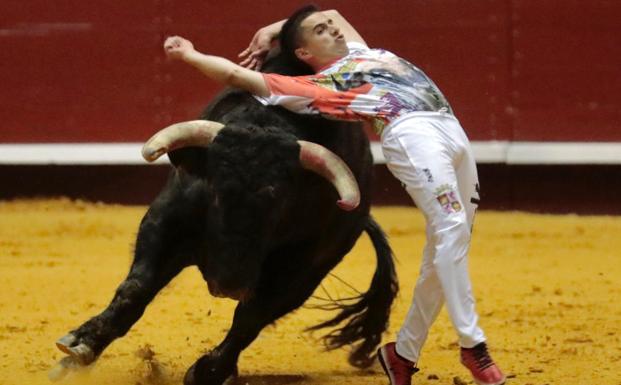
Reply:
x=271 y=379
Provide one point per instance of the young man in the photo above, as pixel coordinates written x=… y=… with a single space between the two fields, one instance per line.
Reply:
x=424 y=145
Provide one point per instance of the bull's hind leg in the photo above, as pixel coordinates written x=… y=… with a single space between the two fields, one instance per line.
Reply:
x=285 y=292
x=157 y=259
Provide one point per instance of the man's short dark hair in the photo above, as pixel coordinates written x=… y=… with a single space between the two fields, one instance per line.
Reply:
x=290 y=37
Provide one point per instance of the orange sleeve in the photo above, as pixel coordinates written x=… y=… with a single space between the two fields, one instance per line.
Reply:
x=291 y=85
x=324 y=100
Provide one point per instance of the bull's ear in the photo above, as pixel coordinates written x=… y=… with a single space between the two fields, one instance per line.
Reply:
x=192 y=160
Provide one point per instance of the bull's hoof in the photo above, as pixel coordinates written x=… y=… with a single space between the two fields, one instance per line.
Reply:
x=190 y=378
x=78 y=351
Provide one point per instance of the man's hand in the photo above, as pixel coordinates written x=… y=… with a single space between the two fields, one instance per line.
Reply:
x=177 y=48
x=253 y=56
x=216 y=68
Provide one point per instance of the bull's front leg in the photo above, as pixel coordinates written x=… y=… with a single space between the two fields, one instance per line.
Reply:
x=281 y=294
x=156 y=262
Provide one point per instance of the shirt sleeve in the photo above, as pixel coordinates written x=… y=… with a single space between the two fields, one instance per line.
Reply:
x=313 y=94
x=295 y=93
x=302 y=86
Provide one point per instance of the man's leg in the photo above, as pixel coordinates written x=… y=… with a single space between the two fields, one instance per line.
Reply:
x=417 y=156
x=399 y=359
x=475 y=357
x=422 y=157
x=434 y=186
x=426 y=304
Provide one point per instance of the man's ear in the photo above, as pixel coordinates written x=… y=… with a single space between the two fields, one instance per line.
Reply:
x=302 y=54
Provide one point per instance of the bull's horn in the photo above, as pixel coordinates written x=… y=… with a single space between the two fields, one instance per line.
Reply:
x=198 y=133
x=324 y=162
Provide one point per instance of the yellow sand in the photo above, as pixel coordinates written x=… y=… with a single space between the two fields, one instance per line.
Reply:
x=548 y=291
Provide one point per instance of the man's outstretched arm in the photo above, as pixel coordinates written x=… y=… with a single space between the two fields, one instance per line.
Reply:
x=216 y=68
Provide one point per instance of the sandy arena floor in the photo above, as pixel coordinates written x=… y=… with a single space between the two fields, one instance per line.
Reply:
x=548 y=290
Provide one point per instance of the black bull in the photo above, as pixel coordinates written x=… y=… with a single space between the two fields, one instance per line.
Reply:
x=252 y=204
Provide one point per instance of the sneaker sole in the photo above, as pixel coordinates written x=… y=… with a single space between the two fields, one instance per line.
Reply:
x=501 y=382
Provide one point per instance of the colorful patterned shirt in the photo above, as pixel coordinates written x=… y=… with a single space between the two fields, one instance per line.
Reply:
x=368 y=84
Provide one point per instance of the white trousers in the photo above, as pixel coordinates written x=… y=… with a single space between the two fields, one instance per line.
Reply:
x=431 y=155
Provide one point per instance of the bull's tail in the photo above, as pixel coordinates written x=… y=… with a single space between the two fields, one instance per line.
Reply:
x=367 y=317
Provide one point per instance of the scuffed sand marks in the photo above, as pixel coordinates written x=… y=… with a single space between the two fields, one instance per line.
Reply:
x=547 y=288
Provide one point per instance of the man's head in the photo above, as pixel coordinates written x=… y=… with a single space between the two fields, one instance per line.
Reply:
x=312 y=37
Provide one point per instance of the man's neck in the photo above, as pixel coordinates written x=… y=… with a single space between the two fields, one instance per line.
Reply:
x=320 y=66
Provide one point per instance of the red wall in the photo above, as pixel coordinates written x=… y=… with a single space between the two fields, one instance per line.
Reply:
x=541 y=70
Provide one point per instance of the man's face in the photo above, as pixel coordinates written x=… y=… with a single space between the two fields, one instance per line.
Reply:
x=322 y=41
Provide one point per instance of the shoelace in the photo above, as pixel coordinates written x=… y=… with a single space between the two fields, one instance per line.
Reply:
x=482 y=357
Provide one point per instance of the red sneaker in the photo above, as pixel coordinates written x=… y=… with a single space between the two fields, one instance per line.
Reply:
x=398 y=369
x=484 y=370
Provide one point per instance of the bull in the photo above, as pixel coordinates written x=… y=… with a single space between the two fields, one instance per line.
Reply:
x=250 y=201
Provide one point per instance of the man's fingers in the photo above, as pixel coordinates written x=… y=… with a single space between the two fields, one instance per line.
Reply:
x=251 y=62
x=244 y=52
x=174 y=41
x=246 y=61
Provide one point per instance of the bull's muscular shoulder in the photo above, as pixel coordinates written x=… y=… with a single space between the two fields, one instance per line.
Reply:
x=238 y=107
x=229 y=102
